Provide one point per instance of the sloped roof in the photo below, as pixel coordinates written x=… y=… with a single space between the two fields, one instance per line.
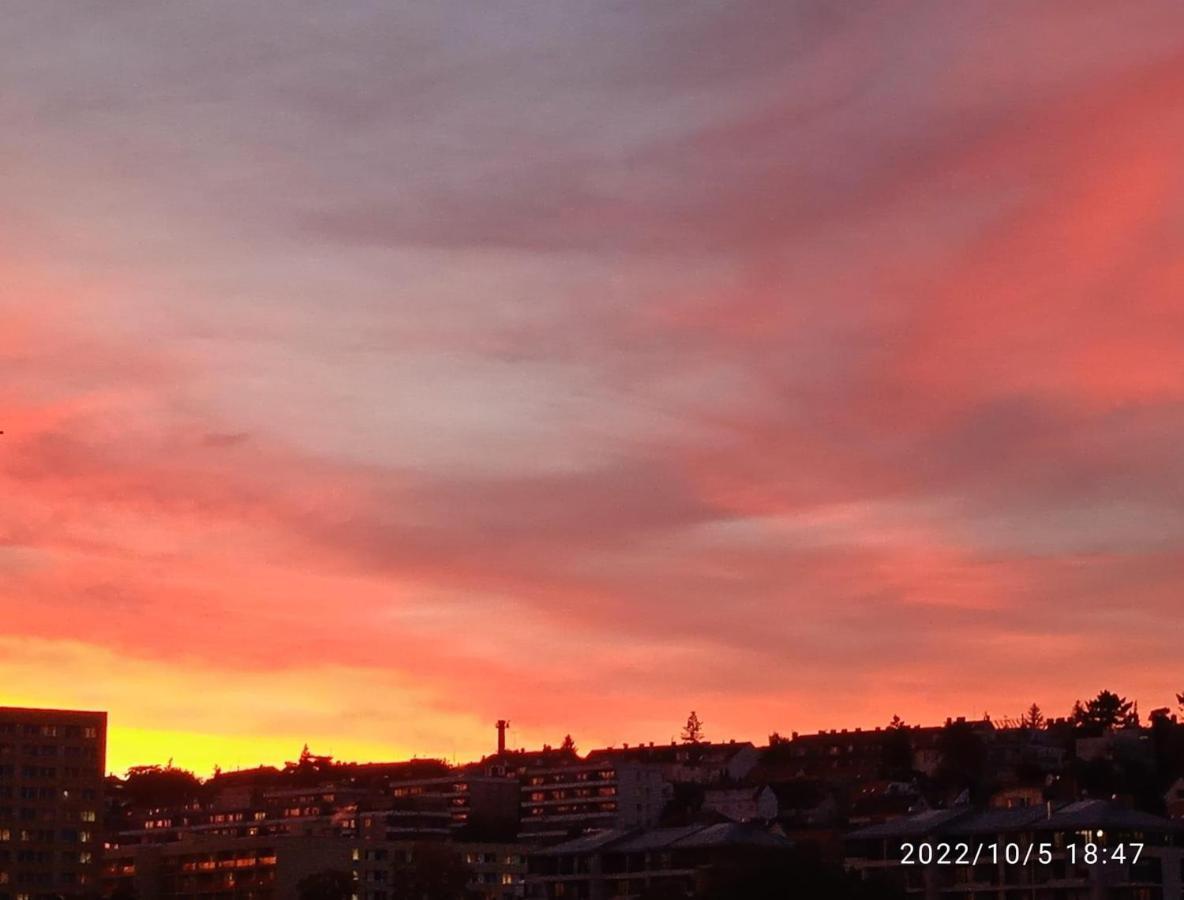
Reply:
x=1103 y=814
x=1078 y=816
x=721 y=834
x=585 y=843
x=920 y=825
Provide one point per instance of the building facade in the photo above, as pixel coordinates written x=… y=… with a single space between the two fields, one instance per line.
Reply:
x=51 y=797
x=205 y=866
x=463 y=806
x=564 y=802
x=702 y=763
x=494 y=871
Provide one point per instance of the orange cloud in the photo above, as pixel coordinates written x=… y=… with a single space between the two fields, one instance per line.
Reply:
x=799 y=387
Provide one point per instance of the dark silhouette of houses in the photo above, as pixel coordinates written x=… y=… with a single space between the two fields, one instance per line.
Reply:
x=614 y=864
x=878 y=853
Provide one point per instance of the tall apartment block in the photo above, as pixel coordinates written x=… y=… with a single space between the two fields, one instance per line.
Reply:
x=51 y=798
x=466 y=806
x=564 y=802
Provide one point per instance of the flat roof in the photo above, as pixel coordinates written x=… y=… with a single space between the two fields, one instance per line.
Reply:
x=49 y=711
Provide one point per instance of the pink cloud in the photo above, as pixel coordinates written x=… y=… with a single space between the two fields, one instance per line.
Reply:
x=582 y=382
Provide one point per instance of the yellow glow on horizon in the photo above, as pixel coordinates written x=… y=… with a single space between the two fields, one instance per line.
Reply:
x=202 y=717
x=200 y=752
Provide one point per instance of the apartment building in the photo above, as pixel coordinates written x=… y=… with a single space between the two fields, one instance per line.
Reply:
x=203 y=866
x=464 y=805
x=327 y=810
x=51 y=796
x=854 y=755
x=566 y=801
x=694 y=763
x=495 y=871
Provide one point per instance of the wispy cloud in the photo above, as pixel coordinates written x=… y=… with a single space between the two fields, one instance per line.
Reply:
x=800 y=364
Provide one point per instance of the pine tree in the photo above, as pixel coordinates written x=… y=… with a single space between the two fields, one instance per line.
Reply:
x=692 y=732
x=1033 y=718
x=1107 y=710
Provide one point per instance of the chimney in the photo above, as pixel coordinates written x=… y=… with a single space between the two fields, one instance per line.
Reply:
x=502 y=725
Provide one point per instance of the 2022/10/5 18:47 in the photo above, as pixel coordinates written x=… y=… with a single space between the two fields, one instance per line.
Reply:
x=1015 y=854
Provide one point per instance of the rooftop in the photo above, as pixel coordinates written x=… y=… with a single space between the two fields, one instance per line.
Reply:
x=720 y=834
x=1078 y=816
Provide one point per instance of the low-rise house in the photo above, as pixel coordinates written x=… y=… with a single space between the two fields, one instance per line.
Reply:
x=882 y=801
x=743 y=804
x=1174 y=799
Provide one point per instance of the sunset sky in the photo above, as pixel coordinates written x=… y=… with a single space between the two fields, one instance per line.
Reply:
x=373 y=371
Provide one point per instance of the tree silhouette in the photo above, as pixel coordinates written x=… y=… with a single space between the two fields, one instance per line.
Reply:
x=896 y=750
x=1180 y=701
x=692 y=732
x=160 y=786
x=309 y=768
x=568 y=745
x=963 y=758
x=1033 y=719
x=329 y=884
x=1107 y=710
